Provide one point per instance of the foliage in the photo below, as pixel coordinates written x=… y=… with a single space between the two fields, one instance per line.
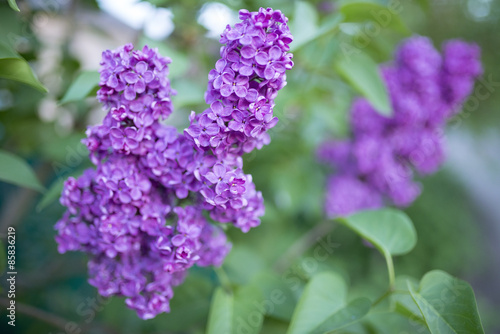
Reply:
x=295 y=273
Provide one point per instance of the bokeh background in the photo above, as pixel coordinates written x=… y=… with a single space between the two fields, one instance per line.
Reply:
x=457 y=217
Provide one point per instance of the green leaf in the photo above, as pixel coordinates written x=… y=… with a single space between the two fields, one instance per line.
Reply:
x=189 y=307
x=280 y=300
x=390 y=323
x=248 y=311
x=16 y=171
x=14 y=67
x=402 y=300
x=381 y=16
x=51 y=195
x=221 y=313
x=447 y=304
x=305 y=25
x=389 y=230
x=323 y=296
x=363 y=74
x=17 y=69
x=13 y=5
x=83 y=86
x=350 y=314
x=242 y=264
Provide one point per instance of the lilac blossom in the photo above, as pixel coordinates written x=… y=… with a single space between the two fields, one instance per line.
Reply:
x=376 y=164
x=152 y=207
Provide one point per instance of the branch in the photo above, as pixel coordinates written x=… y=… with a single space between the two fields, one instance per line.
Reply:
x=303 y=244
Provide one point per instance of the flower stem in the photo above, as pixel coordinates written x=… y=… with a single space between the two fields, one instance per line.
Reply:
x=390 y=270
x=224 y=280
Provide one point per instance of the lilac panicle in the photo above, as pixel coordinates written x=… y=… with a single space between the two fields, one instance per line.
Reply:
x=147 y=212
x=377 y=163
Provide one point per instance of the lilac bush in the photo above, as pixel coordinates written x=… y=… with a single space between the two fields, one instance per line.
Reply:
x=151 y=208
x=376 y=164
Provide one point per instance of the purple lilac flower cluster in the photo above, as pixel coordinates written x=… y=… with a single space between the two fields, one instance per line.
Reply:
x=377 y=163
x=143 y=214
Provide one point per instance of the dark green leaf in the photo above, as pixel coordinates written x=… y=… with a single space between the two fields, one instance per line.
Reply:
x=190 y=305
x=248 y=311
x=13 y=5
x=390 y=323
x=280 y=300
x=350 y=314
x=447 y=304
x=403 y=302
x=83 y=86
x=19 y=70
x=55 y=190
x=242 y=264
x=323 y=296
x=363 y=74
x=390 y=230
x=51 y=195
x=14 y=67
x=16 y=171
x=221 y=313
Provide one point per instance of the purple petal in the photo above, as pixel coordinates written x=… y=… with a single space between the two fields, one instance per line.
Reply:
x=219 y=170
x=131 y=77
x=115 y=132
x=240 y=91
x=129 y=93
x=220 y=65
x=248 y=51
x=112 y=81
x=252 y=95
x=148 y=76
x=261 y=58
x=135 y=194
x=141 y=67
x=212 y=129
x=181 y=193
x=178 y=240
x=269 y=73
x=275 y=53
x=221 y=187
x=194 y=130
x=140 y=86
x=124 y=197
x=246 y=70
x=211 y=177
x=217 y=107
x=226 y=90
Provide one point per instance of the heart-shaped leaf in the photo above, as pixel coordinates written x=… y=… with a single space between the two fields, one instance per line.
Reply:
x=362 y=73
x=322 y=306
x=221 y=313
x=14 y=67
x=447 y=304
x=83 y=86
x=389 y=230
x=16 y=171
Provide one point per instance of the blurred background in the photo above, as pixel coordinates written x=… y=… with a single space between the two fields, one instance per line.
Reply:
x=457 y=217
